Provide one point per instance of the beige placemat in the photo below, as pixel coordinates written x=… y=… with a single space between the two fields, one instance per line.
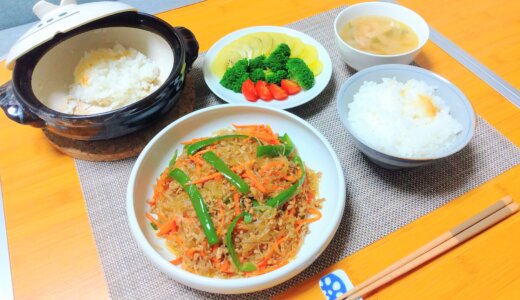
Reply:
x=378 y=201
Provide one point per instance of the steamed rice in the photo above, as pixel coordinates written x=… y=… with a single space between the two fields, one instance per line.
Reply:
x=109 y=78
x=402 y=119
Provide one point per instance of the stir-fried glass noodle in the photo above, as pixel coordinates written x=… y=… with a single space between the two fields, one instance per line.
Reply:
x=236 y=204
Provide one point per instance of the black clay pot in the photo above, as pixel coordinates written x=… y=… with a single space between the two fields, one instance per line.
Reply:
x=39 y=75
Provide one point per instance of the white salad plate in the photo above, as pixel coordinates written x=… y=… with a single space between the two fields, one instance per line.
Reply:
x=229 y=96
x=312 y=147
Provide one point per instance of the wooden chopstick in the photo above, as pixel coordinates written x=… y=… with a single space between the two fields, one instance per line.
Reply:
x=439 y=240
x=474 y=225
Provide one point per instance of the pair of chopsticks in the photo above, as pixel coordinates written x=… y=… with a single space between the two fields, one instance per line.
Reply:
x=490 y=216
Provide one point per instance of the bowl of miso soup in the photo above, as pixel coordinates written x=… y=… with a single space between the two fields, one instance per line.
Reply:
x=375 y=33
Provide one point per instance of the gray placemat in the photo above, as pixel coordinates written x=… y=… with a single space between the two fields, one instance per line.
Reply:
x=378 y=201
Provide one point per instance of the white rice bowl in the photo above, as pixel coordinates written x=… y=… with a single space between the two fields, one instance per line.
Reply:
x=402 y=119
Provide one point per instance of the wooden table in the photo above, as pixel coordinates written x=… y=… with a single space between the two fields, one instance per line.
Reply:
x=53 y=254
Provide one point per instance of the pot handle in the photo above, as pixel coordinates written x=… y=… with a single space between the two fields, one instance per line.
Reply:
x=14 y=110
x=192 y=46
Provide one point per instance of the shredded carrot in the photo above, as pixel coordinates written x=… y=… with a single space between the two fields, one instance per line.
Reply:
x=309 y=220
x=255 y=181
x=270 y=131
x=224 y=266
x=153 y=220
x=167 y=227
x=236 y=197
x=176 y=261
x=197 y=160
x=270 y=187
x=315 y=212
x=193 y=141
x=191 y=252
x=290 y=178
x=271 y=250
x=266 y=137
x=246 y=126
x=207 y=178
x=261 y=132
x=162 y=218
x=310 y=196
x=159 y=186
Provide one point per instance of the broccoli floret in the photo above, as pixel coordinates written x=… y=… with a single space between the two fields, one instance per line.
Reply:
x=235 y=76
x=275 y=77
x=278 y=58
x=257 y=74
x=300 y=72
x=257 y=63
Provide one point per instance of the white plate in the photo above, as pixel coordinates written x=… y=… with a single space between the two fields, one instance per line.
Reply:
x=231 y=97
x=315 y=151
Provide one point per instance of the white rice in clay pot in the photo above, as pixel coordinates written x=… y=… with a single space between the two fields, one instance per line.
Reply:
x=402 y=119
x=109 y=78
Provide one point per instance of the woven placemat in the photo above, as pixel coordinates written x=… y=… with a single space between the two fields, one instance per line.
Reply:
x=378 y=201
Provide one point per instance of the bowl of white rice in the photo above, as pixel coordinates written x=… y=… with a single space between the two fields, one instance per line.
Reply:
x=402 y=116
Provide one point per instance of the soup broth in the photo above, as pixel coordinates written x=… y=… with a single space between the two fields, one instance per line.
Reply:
x=379 y=35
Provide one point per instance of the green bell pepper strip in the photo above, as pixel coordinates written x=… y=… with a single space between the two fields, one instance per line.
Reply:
x=198 y=204
x=193 y=148
x=288 y=193
x=286 y=148
x=270 y=150
x=154 y=227
x=174 y=158
x=247 y=266
x=223 y=169
x=289 y=145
